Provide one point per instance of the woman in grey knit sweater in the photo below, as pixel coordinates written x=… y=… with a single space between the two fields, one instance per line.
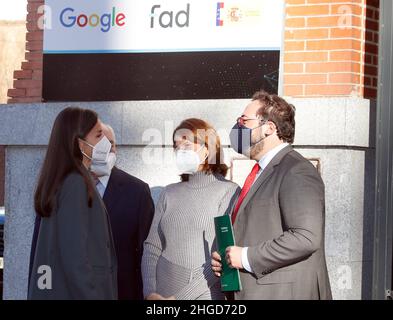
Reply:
x=176 y=257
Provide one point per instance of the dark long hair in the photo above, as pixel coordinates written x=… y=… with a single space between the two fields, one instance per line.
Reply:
x=64 y=156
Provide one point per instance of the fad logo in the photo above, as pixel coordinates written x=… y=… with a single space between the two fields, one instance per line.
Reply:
x=169 y=19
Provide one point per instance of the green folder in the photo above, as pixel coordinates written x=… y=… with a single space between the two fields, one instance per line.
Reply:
x=230 y=278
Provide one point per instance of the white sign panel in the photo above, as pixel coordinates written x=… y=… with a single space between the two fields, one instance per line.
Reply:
x=110 y=26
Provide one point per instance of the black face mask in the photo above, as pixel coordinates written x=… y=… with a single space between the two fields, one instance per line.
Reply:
x=240 y=137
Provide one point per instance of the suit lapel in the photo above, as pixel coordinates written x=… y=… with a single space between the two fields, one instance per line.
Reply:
x=111 y=189
x=263 y=176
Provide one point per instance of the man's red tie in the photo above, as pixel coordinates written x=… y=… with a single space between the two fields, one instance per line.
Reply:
x=246 y=187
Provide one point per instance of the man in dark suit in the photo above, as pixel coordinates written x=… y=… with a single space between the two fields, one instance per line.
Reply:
x=131 y=209
x=279 y=218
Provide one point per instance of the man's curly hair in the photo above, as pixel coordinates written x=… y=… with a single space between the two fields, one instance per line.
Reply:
x=281 y=113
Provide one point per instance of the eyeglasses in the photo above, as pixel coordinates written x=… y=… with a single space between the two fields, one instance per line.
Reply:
x=242 y=120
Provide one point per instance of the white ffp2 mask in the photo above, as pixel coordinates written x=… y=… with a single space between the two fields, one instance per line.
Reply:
x=100 y=150
x=104 y=168
x=188 y=161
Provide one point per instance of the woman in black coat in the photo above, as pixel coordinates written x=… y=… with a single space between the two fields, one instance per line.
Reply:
x=75 y=256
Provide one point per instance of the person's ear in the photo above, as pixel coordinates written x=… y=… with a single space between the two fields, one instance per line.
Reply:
x=271 y=129
x=81 y=145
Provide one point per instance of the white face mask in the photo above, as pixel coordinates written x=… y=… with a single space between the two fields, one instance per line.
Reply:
x=104 y=168
x=100 y=150
x=188 y=161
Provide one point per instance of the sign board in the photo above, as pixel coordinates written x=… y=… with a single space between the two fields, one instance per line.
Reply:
x=135 y=40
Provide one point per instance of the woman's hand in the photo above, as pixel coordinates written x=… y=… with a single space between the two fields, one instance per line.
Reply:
x=156 y=296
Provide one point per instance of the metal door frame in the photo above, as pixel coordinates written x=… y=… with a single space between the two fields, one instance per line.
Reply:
x=383 y=243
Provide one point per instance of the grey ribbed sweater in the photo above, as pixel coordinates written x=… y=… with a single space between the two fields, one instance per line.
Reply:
x=177 y=251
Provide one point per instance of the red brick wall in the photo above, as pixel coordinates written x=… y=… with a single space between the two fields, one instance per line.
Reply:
x=28 y=81
x=330 y=49
x=371 y=49
x=325 y=52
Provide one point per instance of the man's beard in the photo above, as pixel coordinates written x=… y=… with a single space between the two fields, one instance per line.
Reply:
x=256 y=149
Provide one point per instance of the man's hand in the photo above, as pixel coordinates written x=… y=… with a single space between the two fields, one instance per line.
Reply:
x=233 y=256
x=216 y=263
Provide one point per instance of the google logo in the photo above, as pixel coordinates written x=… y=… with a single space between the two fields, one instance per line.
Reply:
x=106 y=21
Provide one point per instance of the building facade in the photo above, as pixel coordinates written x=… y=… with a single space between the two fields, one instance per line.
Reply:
x=328 y=70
